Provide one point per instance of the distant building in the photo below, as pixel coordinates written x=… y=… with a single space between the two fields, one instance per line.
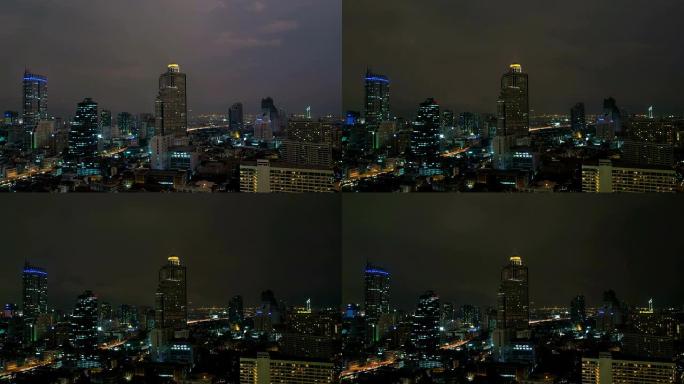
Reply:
x=513 y=116
x=82 y=155
x=264 y=176
x=607 y=370
x=578 y=312
x=578 y=120
x=266 y=370
x=171 y=307
x=647 y=153
x=236 y=120
x=376 y=292
x=607 y=177
x=83 y=335
x=425 y=327
x=34 y=291
x=425 y=137
x=171 y=106
x=35 y=98
x=514 y=103
x=513 y=308
x=377 y=95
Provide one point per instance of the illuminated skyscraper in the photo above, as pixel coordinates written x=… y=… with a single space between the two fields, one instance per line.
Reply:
x=171 y=106
x=34 y=291
x=377 y=289
x=514 y=103
x=83 y=138
x=171 y=305
x=425 y=136
x=35 y=98
x=425 y=329
x=513 y=298
x=377 y=107
x=83 y=335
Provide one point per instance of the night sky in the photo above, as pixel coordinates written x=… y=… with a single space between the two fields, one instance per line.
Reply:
x=232 y=50
x=231 y=245
x=456 y=51
x=456 y=245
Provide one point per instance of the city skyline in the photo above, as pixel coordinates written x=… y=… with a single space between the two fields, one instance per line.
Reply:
x=456 y=247
x=226 y=47
x=456 y=52
x=218 y=266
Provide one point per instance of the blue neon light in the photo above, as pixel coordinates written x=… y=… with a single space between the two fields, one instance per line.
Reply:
x=35 y=271
x=377 y=272
x=376 y=78
x=34 y=78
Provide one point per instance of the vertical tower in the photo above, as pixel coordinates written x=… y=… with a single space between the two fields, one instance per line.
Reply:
x=513 y=298
x=578 y=119
x=578 y=313
x=34 y=291
x=425 y=134
x=171 y=310
x=425 y=329
x=83 y=136
x=171 y=106
x=514 y=103
x=236 y=116
x=84 y=323
x=35 y=98
x=377 y=98
x=377 y=286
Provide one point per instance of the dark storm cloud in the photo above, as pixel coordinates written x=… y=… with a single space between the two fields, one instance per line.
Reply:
x=232 y=50
x=456 y=51
x=115 y=246
x=572 y=245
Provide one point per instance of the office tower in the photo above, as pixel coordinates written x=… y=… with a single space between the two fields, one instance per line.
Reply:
x=270 y=114
x=34 y=291
x=35 y=98
x=514 y=103
x=578 y=120
x=84 y=322
x=264 y=176
x=83 y=138
x=578 y=313
x=377 y=94
x=171 y=106
x=124 y=123
x=469 y=124
x=105 y=130
x=607 y=369
x=309 y=143
x=171 y=304
x=425 y=135
x=236 y=312
x=376 y=292
x=425 y=325
x=513 y=297
x=606 y=177
x=265 y=370
x=236 y=117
